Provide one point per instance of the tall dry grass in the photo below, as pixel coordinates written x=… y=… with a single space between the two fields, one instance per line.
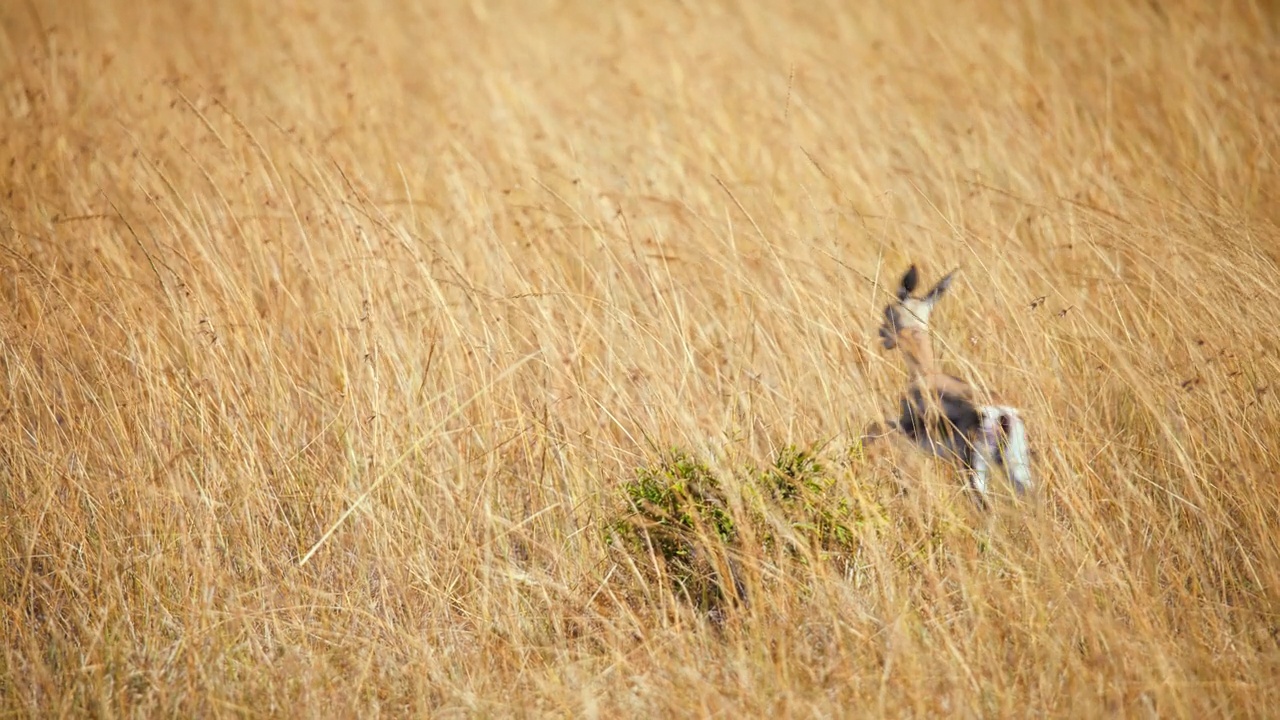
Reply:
x=409 y=290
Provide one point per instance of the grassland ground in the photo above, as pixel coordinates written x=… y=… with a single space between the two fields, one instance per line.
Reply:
x=337 y=339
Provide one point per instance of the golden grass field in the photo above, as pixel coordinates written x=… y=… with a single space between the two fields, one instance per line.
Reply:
x=331 y=333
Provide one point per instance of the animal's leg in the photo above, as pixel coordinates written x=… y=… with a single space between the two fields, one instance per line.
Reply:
x=875 y=435
x=1016 y=453
x=876 y=431
x=979 y=470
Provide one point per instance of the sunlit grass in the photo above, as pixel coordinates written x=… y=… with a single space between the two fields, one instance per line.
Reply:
x=332 y=337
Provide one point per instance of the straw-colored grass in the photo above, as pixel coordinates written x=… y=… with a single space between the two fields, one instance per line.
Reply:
x=330 y=333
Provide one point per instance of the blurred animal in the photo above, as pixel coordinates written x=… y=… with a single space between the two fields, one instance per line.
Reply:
x=941 y=413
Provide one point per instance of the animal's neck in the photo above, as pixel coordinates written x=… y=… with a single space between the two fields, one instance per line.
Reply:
x=917 y=350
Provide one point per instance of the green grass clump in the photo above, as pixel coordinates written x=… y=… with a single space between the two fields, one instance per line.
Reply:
x=677 y=510
x=799 y=484
x=680 y=513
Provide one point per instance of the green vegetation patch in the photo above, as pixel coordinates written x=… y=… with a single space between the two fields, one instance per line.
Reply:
x=699 y=528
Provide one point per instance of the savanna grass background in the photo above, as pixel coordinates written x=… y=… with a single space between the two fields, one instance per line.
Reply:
x=334 y=334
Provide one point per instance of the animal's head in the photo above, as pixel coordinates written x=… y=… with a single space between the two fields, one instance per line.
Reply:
x=910 y=311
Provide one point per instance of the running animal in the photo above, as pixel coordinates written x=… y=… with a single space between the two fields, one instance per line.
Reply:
x=943 y=414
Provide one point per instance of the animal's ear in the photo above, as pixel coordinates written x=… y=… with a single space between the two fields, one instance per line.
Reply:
x=941 y=287
x=909 y=282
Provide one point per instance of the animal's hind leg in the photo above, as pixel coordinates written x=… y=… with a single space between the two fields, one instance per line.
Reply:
x=979 y=470
x=1016 y=453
